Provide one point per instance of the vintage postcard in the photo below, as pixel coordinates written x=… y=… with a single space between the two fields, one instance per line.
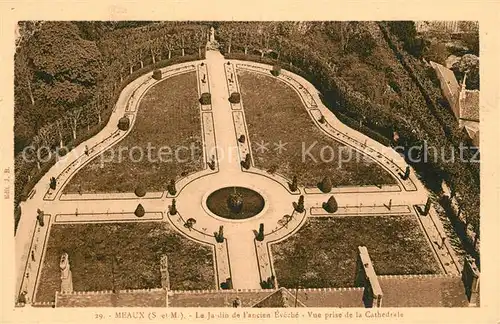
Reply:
x=296 y=167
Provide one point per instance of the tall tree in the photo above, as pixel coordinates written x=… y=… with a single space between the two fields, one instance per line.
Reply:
x=61 y=129
x=23 y=73
x=73 y=119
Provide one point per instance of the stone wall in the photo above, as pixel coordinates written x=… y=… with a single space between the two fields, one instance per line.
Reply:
x=470 y=278
x=165 y=279
x=367 y=277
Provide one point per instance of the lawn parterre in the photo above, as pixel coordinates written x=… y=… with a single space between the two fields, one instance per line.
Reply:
x=323 y=252
x=131 y=251
x=168 y=116
x=274 y=112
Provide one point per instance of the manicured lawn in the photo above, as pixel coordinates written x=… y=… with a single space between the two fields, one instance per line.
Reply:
x=136 y=249
x=274 y=113
x=168 y=116
x=323 y=252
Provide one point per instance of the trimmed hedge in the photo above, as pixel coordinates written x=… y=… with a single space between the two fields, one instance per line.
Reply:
x=140 y=191
x=206 y=98
x=325 y=185
x=124 y=123
x=139 y=211
x=157 y=74
x=276 y=70
x=235 y=98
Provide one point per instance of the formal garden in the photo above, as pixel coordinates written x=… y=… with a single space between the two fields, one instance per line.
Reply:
x=370 y=73
x=121 y=256
x=168 y=116
x=275 y=113
x=323 y=252
x=366 y=74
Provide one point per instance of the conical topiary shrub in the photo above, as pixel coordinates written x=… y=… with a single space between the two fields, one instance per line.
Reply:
x=140 y=191
x=171 y=188
x=331 y=205
x=206 y=98
x=124 y=123
x=139 y=211
x=219 y=236
x=235 y=98
x=260 y=233
x=39 y=217
x=299 y=205
x=326 y=185
x=246 y=163
x=294 y=184
x=173 y=208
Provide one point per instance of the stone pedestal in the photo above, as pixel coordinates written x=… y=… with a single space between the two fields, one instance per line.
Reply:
x=212 y=35
x=66 y=276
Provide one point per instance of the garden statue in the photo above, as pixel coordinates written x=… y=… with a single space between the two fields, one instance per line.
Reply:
x=212 y=34
x=237 y=302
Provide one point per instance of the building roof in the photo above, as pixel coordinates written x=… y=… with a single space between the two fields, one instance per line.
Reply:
x=398 y=291
x=448 y=81
x=132 y=298
x=280 y=298
x=469 y=105
x=475 y=139
x=334 y=297
x=216 y=298
x=423 y=291
x=471 y=129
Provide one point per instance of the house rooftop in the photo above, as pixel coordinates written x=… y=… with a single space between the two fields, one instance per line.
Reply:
x=423 y=291
x=280 y=298
x=126 y=298
x=398 y=291
x=469 y=105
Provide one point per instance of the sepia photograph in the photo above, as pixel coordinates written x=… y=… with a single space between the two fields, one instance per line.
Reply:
x=258 y=164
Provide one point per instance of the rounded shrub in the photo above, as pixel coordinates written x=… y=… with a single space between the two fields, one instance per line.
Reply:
x=235 y=98
x=326 y=185
x=206 y=98
x=276 y=70
x=124 y=123
x=157 y=74
x=140 y=191
x=139 y=211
